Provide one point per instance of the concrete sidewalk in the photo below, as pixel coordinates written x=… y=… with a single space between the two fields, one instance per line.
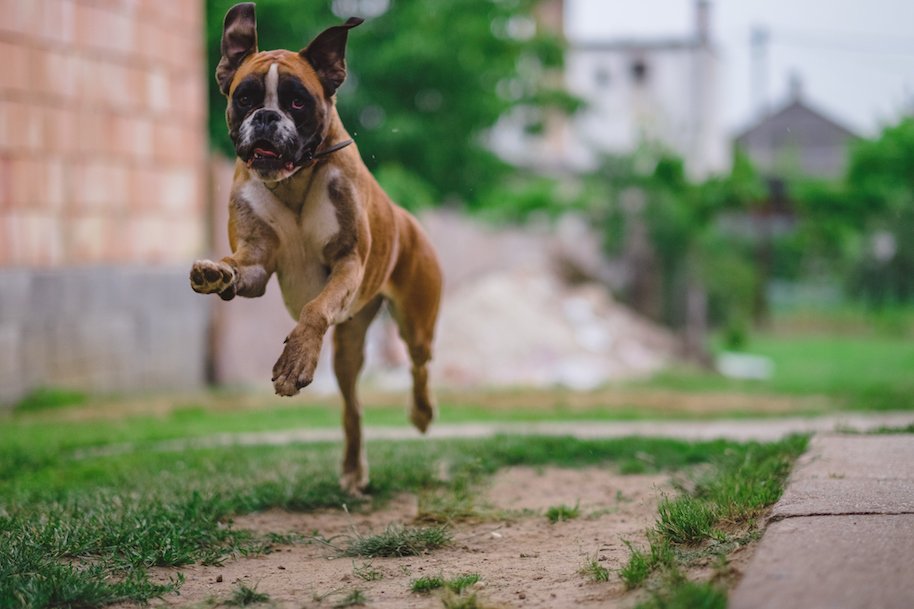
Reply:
x=842 y=536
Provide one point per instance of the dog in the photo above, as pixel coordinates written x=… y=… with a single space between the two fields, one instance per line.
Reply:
x=303 y=205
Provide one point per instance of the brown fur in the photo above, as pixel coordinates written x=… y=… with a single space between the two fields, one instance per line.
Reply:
x=379 y=252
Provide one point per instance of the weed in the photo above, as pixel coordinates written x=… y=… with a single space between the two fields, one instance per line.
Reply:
x=355 y=598
x=594 y=570
x=637 y=569
x=48 y=398
x=561 y=513
x=683 y=594
x=462 y=582
x=462 y=601
x=456 y=584
x=686 y=519
x=244 y=596
x=399 y=541
x=366 y=572
x=426 y=584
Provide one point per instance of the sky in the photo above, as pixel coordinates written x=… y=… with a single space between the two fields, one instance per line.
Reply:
x=855 y=57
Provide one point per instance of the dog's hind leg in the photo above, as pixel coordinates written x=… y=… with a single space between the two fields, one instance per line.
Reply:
x=348 y=358
x=414 y=305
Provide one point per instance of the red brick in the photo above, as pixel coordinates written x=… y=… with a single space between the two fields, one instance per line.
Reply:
x=99 y=186
x=91 y=239
x=21 y=16
x=104 y=29
x=171 y=143
x=35 y=238
x=5 y=183
x=158 y=91
x=58 y=21
x=92 y=133
x=62 y=130
x=56 y=74
x=15 y=73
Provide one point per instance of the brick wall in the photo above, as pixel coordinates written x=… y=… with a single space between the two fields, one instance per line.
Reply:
x=102 y=131
x=103 y=189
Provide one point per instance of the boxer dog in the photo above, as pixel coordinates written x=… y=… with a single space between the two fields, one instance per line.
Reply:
x=304 y=206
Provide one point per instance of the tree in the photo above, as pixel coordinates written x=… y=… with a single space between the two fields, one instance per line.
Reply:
x=427 y=79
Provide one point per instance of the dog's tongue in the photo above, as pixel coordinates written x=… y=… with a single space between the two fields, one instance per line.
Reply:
x=266 y=152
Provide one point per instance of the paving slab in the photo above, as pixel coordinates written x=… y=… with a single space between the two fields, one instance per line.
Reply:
x=832 y=562
x=842 y=536
x=848 y=474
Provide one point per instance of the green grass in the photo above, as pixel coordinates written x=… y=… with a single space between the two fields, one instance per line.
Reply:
x=561 y=513
x=366 y=572
x=243 y=596
x=852 y=372
x=426 y=584
x=398 y=540
x=49 y=398
x=355 y=598
x=594 y=571
x=457 y=584
x=84 y=532
x=684 y=594
x=719 y=512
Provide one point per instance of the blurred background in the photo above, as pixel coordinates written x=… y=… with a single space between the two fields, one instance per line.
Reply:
x=670 y=195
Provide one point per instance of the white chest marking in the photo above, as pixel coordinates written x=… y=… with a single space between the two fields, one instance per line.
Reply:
x=300 y=265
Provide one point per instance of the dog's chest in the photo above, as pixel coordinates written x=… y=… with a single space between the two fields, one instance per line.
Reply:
x=303 y=234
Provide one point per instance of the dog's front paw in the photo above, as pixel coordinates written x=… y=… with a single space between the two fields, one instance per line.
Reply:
x=294 y=369
x=208 y=277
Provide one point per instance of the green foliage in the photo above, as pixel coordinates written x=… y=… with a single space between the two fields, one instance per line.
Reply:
x=561 y=513
x=48 y=398
x=399 y=541
x=650 y=188
x=355 y=598
x=243 y=596
x=686 y=520
x=427 y=78
x=639 y=566
x=594 y=570
x=426 y=584
x=684 y=594
x=83 y=532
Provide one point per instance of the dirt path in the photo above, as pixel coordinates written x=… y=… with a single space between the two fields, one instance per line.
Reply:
x=523 y=560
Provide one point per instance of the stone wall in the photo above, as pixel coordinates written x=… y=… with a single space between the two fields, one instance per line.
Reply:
x=103 y=190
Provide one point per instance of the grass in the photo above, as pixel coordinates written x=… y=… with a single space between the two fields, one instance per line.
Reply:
x=83 y=532
x=594 y=570
x=426 y=584
x=812 y=375
x=398 y=540
x=243 y=596
x=355 y=598
x=720 y=511
x=851 y=372
x=561 y=513
x=366 y=572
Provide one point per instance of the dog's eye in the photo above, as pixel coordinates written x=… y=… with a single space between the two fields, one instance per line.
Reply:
x=298 y=103
x=244 y=101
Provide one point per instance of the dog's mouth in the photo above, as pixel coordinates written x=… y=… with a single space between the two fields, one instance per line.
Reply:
x=265 y=156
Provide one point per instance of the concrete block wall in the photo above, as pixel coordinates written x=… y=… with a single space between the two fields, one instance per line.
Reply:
x=103 y=194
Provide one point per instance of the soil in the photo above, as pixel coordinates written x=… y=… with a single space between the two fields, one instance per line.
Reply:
x=522 y=558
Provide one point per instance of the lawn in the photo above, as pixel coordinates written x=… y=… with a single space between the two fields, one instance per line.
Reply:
x=84 y=532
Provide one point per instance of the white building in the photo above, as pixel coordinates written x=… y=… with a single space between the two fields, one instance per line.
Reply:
x=661 y=91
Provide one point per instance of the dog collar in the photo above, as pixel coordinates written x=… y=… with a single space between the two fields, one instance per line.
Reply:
x=314 y=157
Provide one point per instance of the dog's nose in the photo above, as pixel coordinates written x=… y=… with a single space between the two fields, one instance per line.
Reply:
x=265 y=118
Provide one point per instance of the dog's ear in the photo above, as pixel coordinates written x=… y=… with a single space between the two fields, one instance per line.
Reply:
x=327 y=55
x=239 y=39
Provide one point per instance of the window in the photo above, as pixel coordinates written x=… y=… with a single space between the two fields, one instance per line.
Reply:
x=639 y=71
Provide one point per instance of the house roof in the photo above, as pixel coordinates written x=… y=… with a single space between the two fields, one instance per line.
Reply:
x=796 y=110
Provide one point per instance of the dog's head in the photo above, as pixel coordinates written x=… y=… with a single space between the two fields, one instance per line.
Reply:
x=279 y=102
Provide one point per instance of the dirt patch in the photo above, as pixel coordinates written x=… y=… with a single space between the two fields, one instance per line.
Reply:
x=523 y=559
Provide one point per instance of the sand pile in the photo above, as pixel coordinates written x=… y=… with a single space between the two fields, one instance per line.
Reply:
x=526 y=328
